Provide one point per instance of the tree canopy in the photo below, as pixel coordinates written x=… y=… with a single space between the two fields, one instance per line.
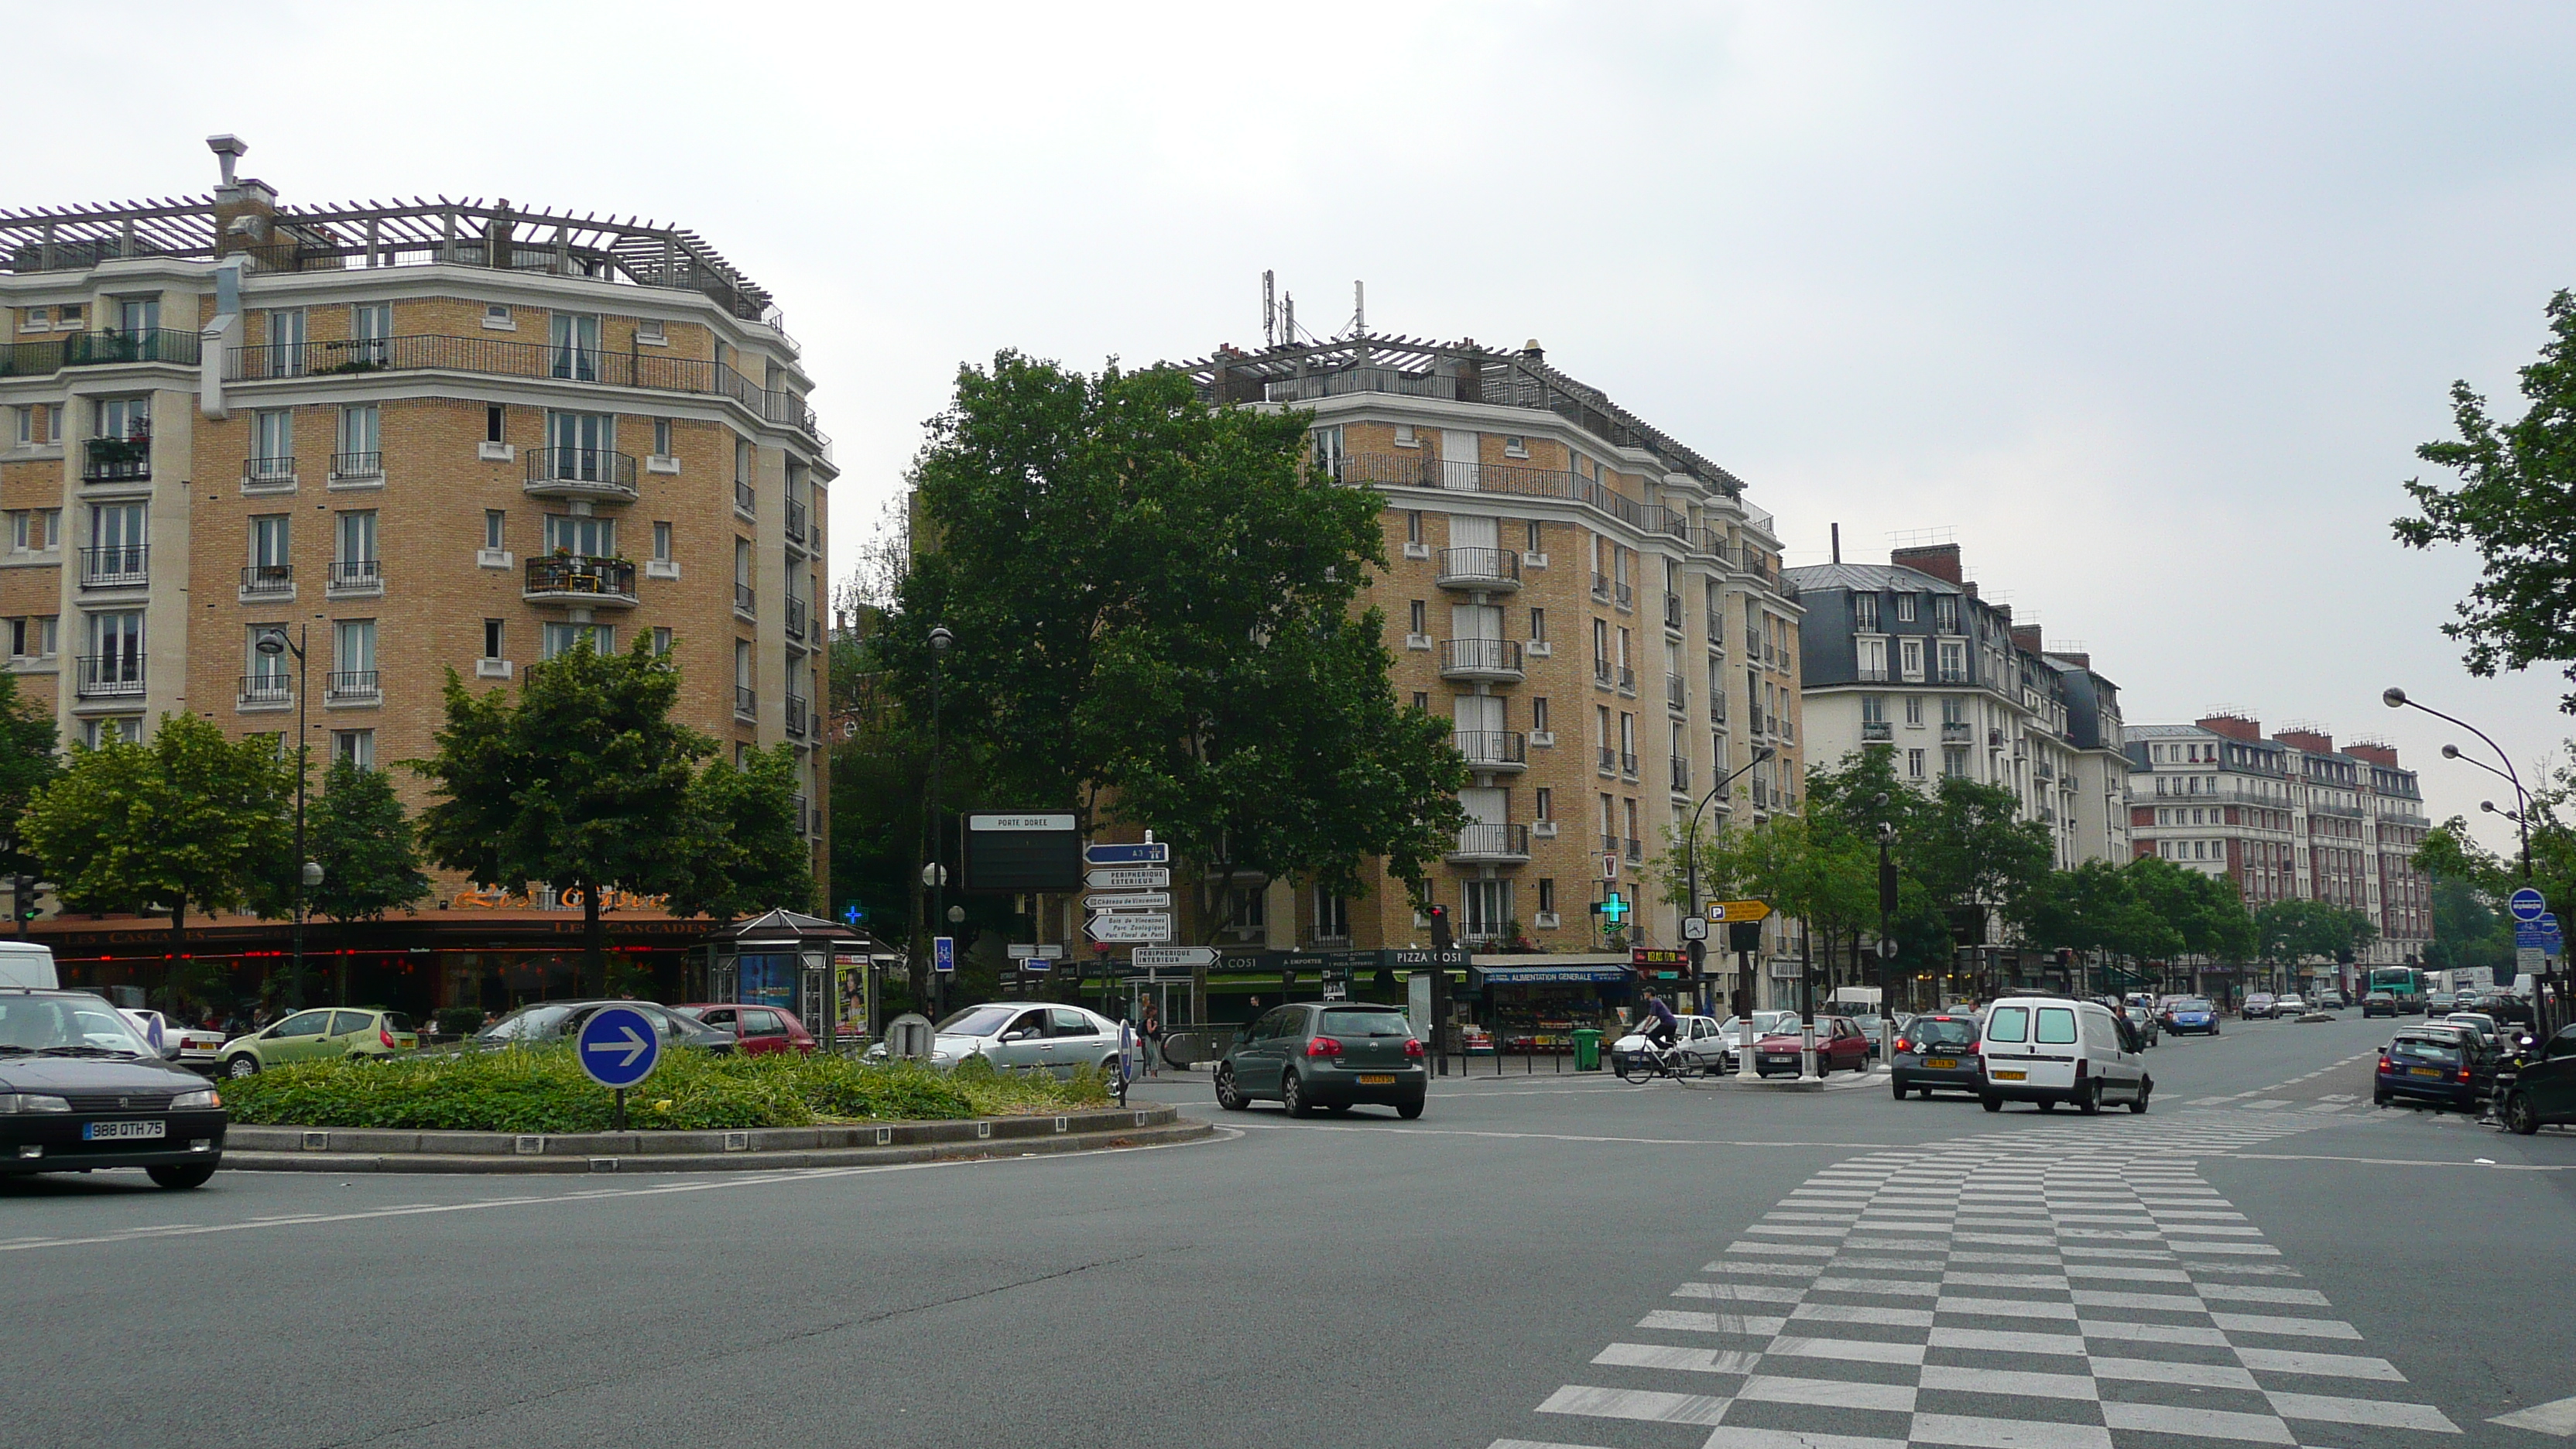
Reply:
x=369 y=852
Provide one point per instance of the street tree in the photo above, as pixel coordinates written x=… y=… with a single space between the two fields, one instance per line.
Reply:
x=189 y=819
x=1972 y=852
x=2516 y=505
x=368 y=850
x=1154 y=609
x=742 y=851
x=27 y=761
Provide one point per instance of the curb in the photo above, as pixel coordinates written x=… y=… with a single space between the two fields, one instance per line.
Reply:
x=292 y=1149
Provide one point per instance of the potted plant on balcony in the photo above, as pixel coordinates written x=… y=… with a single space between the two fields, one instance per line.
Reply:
x=126 y=452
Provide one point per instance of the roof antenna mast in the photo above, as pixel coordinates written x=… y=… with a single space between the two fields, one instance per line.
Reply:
x=1359 y=309
x=1269 y=310
x=1838 y=543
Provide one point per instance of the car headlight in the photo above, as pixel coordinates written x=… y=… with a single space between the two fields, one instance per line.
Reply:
x=197 y=1101
x=32 y=1102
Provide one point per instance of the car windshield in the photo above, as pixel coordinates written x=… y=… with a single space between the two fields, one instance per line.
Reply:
x=1365 y=1023
x=66 y=1026
x=528 y=1023
x=978 y=1021
x=1927 y=1031
x=2191 y=1003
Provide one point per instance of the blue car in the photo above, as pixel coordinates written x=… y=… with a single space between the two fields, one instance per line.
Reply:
x=2436 y=1068
x=2190 y=1014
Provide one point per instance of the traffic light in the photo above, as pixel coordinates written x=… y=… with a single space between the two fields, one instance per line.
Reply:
x=1743 y=936
x=1441 y=940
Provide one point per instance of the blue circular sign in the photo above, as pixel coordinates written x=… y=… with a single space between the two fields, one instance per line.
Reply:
x=2527 y=904
x=619 y=1046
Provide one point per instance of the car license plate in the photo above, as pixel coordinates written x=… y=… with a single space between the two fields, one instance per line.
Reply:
x=2424 y=1071
x=1377 y=1081
x=1941 y=1064
x=2009 y=1076
x=1779 y=1061
x=121 y=1131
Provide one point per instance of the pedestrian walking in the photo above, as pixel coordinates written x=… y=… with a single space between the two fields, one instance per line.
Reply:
x=1153 y=1032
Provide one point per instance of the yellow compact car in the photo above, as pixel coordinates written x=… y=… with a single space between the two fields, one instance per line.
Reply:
x=323 y=1032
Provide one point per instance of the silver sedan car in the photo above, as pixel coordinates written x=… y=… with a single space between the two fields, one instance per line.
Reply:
x=1025 y=1036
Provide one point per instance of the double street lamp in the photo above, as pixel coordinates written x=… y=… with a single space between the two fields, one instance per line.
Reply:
x=1690 y=846
x=274 y=643
x=2396 y=698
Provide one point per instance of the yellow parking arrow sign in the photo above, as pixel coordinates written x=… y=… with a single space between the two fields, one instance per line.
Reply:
x=1738 y=910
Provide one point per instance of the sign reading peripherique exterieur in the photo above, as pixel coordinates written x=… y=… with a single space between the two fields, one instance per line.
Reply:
x=1129 y=878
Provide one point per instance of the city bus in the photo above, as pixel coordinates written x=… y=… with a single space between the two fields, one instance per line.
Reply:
x=2405 y=983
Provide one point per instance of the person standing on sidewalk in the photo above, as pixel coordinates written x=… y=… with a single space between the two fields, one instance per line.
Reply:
x=1153 y=1033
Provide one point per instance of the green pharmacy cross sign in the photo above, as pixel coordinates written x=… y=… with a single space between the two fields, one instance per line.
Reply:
x=1614 y=908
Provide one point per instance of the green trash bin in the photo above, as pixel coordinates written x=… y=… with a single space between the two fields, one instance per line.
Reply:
x=1587 y=1049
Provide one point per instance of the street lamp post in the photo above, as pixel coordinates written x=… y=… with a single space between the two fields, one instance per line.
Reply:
x=273 y=642
x=940 y=641
x=2396 y=698
x=1690 y=837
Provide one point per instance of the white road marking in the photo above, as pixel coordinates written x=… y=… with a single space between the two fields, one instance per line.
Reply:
x=2558 y=1418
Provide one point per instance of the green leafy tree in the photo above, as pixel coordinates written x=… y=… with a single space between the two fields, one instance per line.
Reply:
x=368 y=851
x=189 y=819
x=583 y=781
x=27 y=761
x=2096 y=907
x=2205 y=911
x=1193 y=661
x=1972 y=853
x=2516 y=505
x=743 y=851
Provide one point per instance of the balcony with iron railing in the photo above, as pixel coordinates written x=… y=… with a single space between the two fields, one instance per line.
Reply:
x=1628 y=764
x=795 y=522
x=1877 y=731
x=795 y=618
x=1494 y=660
x=1673 y=612
x=1462 y=476
x=1954 y=732
x=43 y=357
x=268 y=581
x=796 y=716
x=1627 y=680
x=1495 y=750
x=596 y=474
x=1871 y=674
x=1609 y=843
x=1681 y=774
x=1601 y=587
x=1491 y=843
x=580 y=579
x=355 y=578
x=353 y=686
x=746 y=701
x=1609 y=760
x=745 y=601
x=268 y=475
x=358 y=465
x=1633 y=849
x=117 y=460
x=743 y=498
x=117 y=566
x=108 y=676
x=1623 y=596
x=1482 y=570
x=267 y=691
x=1676 y=693
x=492 y=357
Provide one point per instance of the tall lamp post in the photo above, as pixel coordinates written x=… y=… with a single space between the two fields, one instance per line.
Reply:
x=273 y=643
x=940 y=642
x=2395 y=698
x=1690 y=840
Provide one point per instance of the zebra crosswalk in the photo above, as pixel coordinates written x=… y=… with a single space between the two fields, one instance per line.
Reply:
x=2072 y=1285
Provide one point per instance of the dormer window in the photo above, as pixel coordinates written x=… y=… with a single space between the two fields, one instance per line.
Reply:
x=1515 y=446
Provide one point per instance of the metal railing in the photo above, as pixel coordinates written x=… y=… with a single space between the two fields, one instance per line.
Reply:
x=357 y=465
x=795 y=618
x=1623 y=595
x=795 y=521
x=1871 y=674
x=34 y=358
x=589 y=471
x=1396 y=470
x=1479 y=568
x=1609 y=760
x=1634 y=849
x=1480 y=656
x=268 y=579
x=1681 y=775
x=1601 y=587
x=1490 y=748
x=1609 y=843
x=117 y=460
x=1676 y=693
x=108 y=676
x=1877 y=729
x=746 y=700
x=1627 y=680
x=118 y=566
x=357 y=575
x=268 y=472
x=742 y=498
x=348 y=684
x=1627 y=764
x=579 y=574
x=796 y=715
x=1954 y=732
x=744 y=599
x=1672 y=611
x=493 y=357
x=1489 y=840
x=276 y=688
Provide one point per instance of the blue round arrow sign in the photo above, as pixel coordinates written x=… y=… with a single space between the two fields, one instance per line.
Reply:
x=619 y=1046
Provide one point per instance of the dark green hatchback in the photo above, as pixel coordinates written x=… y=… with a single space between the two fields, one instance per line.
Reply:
x=1334 y=1055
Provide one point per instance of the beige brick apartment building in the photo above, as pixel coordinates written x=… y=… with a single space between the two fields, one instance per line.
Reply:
x=424 y=436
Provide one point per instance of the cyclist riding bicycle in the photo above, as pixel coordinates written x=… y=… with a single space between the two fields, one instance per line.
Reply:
x=1659 y=1026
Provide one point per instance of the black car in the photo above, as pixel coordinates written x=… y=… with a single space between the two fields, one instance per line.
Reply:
x=1937 y=1050
x=79 y=1090
x=2443 y=1068
x=2544 y=1092
x=1330 y=1054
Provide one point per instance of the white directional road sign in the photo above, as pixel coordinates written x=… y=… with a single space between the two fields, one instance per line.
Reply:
x=1129 y=878
x=1156 y=957
x=1130 y=901
x=1023 y=951
x=1140 y=927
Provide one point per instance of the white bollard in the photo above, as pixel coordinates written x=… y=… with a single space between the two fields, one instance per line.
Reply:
x=1807 y=1051
x=1744 y=1058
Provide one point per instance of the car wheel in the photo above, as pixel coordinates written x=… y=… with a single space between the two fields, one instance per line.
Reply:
x=2146 y=1089
x=2519 y=1118
x=1109 y=1069
x=2379 y=1099
x=1927 y=1093
x=240 y=1066
x=1991 y=1104
x=1293 y=1097
x=1901 y=1090
x=2089 y=1101
x=182 y=1178
x=1409 y=1110
x=2048 y=1104
x=1228 y=1095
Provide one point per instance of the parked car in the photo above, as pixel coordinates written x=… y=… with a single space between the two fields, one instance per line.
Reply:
x=1870 y=1031
x=761 y=1030
x=2543 y=1093
x=2143 y=1022
x=1696 y=1035
x=81 y=1090
x=2424 y=1065
x=2489 y=1030
x=1838 y=1046
x=2259 y=1006
x=1016 y=1036
x=319 y=1035
x=1937 y=1051
x=1730 y=1034
x=1330 y=1054
x=200 y=1050
x=2379 y=1003
x=2189 y=1014
x=2049 y=1050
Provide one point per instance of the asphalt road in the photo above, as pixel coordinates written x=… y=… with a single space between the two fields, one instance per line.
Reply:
x=1541 y=1260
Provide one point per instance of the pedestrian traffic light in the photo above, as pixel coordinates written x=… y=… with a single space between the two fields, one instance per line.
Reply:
x=1441 y=940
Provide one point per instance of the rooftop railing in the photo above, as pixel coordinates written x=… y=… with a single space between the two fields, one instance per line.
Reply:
x=40 y=357
x=1397 y=471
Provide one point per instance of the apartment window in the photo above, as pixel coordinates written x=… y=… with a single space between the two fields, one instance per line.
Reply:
x=1544 y=803
x=125 y=417
x=1538 y=626
x=1865 y=613
x=742 y=454
x=26 y=417
x=1872 y=657
x=585 y=534
x=34 y=530
x=1954 y=710
x=120 y=730
x=273 y=444
x=582 y=445
x=1538 y=715
x=742 y=595
x=497 y=314
x=1624 y=656
x=651 y=329
x=354 y=747
x=286 y=337
x=271 y=552
x=1601 y=650
x=1914 y=764
x=1418 y=615
x=1547 y=895
x=116 y=647
x=33 y=637
x=492 y=425
x=662 y=437
x=662 y=541
x=354 y=561
x=1489 y=902
x=1945 y=613
x=51 y=414
x=1404 y=436
x=372 y=322
x=1537 y=538
x=1914 y=709
x=1873 y=709
x=1328 y=450
x=1422 y=701
x=1332 y=915
x=1601 y=729
x=1905 y=608
x=1954 y=661
x=573 y=347
x=1910 y=654
x=361 y=440
x=560 y=639
x=353 y=656
x=1413 y=527
x=661 y=643
x=492 y=639
x=38 y=319
x=494 y=520
x=1954 y=761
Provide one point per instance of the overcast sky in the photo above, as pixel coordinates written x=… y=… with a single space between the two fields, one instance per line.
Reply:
x=2149 y=304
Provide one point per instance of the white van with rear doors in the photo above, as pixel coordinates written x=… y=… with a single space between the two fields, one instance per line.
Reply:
x=2049 y=1049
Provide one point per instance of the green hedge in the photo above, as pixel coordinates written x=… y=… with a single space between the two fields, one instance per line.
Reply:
x=543 y=1090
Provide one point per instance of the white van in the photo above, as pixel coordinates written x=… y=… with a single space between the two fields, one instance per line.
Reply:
x=24 y=963
x=2048 y=1049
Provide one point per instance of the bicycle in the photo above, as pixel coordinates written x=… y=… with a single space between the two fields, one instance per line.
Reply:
x=1666 y=1060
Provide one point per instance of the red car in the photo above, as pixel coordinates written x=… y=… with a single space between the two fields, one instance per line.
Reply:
x=1839 y=1046
x=760 y=1029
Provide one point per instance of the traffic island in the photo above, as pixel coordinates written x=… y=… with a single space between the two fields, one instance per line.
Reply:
x=762 y=1149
